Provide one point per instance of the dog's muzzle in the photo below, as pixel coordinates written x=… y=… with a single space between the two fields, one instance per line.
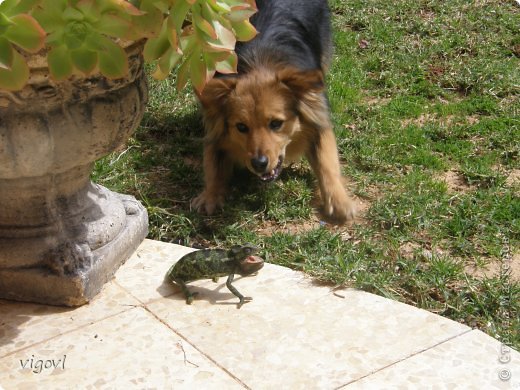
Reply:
x=260 y=164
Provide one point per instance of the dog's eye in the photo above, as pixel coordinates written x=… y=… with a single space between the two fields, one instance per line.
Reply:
x=275 y=124
x=242 y=127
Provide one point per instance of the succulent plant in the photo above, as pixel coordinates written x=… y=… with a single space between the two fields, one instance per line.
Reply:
x=195 y=37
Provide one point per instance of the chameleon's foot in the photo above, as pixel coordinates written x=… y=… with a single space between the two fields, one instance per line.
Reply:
x=243 y=300
x=189 y=298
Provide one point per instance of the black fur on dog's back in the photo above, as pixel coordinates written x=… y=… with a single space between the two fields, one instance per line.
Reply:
x=291 y=32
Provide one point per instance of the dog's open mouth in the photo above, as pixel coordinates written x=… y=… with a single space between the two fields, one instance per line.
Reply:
x=270 y=176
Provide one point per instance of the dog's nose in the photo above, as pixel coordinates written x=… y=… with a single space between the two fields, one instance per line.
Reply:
x=260 y=163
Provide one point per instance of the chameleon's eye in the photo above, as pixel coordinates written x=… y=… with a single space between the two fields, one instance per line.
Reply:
x=248 y=251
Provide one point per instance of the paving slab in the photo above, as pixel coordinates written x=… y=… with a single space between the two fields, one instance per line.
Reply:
x=472 y=361
x=25 y=324
x=129 y=350
x=140 y=333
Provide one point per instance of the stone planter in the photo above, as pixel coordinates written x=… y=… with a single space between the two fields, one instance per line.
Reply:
x=61 y=236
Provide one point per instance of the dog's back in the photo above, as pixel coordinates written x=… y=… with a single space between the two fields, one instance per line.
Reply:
x=292 y=32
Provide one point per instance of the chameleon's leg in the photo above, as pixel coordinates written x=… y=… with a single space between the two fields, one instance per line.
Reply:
x=235 y=291
x=215 y=279
x=189 y=295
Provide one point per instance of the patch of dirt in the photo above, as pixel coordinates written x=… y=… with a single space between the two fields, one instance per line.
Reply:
x=370 y=100
x=408 y=250
x=455 y=182
x=513 y=178
x=448 y=120
x=427 y=15
x=496 y=268
x=194 y=162
x=268 y=228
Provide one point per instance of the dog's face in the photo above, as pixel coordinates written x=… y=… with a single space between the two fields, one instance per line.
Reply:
x=256 y=116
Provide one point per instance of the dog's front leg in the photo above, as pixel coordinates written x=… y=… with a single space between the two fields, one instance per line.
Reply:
x=217 y=171
x=323 y=157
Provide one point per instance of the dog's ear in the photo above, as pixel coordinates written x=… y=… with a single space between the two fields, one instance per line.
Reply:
x=301 y=82
x=307 y=87
x=216 y=91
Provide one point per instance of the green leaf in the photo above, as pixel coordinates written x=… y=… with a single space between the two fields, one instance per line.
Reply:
x=228 y=65
x=150 y=23
x=198 y=70
x=240 y=14
x=76 y=33
x=15 y=78
x=73 y=15
x=6 y=54
x=183 y=74
x=156 y=47
x=60 y=63
x=188 y=41
x=166 y=64
x=178 y=13
x=118 y=6
x=160 y=5
x=226 y=39
x=114 y=26
x=85 y=60
x=7 y=5
x=4 y=23
x=16 y=7
x=202 y=24
x=93 y=42
x=219 y=6
x=26 y=33
x=49 y=14
x=244 y=30
x=113 y=62
x=55 y=38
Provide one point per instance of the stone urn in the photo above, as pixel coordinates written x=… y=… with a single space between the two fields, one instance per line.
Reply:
x=61 y=236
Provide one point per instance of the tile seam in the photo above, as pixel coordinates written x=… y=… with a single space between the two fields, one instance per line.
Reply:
x=466 y=331
x=234 y=377
x=130 y=307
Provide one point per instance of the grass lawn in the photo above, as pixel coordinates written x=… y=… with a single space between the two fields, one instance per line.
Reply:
x=425 y=99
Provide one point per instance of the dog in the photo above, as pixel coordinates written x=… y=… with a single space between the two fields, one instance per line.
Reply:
x=275 y=110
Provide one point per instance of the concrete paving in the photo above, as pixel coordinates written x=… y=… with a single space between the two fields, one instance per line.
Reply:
x=294 y=334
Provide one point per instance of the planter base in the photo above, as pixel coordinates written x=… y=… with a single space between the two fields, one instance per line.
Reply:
x=73 y=270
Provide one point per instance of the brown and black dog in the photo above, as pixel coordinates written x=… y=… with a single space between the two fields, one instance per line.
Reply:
x=275 y=110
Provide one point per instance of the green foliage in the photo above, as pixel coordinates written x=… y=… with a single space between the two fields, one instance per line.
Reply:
x=17 y=29
x=196 y=37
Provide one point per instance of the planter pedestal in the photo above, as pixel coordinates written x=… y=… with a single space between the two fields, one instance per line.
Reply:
x=61 y=236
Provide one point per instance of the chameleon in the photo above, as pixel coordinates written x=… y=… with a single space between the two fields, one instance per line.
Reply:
x=214 y=263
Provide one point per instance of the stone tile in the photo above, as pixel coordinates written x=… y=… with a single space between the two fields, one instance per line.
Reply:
x=24 y=324
x=292 y=335
x=143 y=273
x=132 y=349
x=470 y=361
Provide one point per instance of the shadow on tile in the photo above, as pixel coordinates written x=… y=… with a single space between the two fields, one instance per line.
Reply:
x=219 y=295
x=13 y=316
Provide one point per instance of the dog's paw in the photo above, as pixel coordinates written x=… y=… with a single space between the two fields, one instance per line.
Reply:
x=338 y=207
x=207 y=203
